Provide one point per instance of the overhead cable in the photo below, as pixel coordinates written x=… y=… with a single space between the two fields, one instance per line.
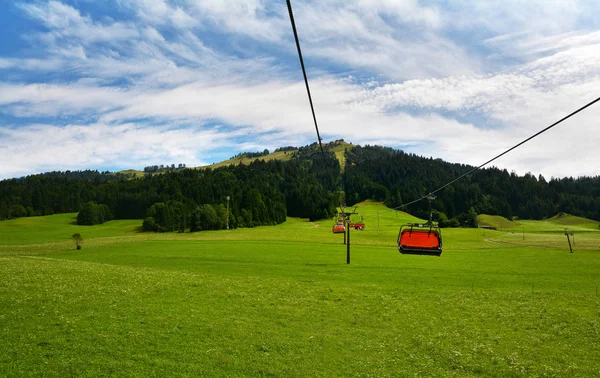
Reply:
x=499 y=155
x=312 y=108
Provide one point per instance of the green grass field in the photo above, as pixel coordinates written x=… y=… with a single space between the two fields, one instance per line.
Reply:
x=280 y=301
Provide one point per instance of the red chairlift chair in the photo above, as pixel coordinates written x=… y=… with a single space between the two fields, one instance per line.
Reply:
x=418 y=239
x=339 y=228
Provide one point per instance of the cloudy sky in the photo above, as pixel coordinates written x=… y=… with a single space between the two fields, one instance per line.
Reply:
x=120 y=84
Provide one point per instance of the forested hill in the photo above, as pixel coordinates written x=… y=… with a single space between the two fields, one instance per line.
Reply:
x=396 y=177
x=305 y=184
x=261 y=193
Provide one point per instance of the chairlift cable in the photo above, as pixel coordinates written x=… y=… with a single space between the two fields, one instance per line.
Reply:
x=499 y=155
x=312 y=108
x=289 y=5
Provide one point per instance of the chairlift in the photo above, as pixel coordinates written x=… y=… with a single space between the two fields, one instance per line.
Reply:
x=339 y=228
x=419 y=239
x=358 y=226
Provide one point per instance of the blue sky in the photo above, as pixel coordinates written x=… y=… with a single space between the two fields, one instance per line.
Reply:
x=120 y=84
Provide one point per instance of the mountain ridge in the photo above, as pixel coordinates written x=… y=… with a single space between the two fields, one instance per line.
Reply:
x=338 y=147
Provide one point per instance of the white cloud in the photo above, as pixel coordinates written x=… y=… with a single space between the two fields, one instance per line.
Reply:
x=256 y=18
x=58 y=100
x=38 y=148
x=160 y=12
x=67 y=23
x=161 y=68
x=403 y=10
x=523 y=102
x=53 y=14
x=31 y=64
x=400 y=40
x=539 y=17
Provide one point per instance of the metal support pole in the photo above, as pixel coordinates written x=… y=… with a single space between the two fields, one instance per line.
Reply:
x=430 y=216
x=569 y=240
x=348 y=246
x=430 y=197
x=228 y=198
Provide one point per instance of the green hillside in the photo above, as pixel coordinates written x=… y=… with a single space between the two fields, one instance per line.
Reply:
x=572 y=220
x=132 y=172
x=338 y=149
x=59 y=228
x=279 y=155
x=495 y=221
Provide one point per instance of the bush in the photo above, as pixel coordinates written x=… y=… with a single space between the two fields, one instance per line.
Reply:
x=149 y=225
x=205 y=217
x=91 y=213
x=17 y=211
x=453 y=222
x=170 y=216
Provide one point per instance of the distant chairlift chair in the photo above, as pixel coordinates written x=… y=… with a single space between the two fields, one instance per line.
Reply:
x=418 y=239
x=339 y=228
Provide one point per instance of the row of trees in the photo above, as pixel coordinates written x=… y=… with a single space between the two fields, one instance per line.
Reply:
x=308 y=185
x=395 y=177
x=286 y=149
x=262 y=193
x=468 y=219
x=51 y=192
x=160 y=168
x=175 y=216
x=251 y=155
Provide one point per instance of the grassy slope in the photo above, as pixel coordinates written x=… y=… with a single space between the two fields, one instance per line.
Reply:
x=57 y=228
x=281 y=301
x=280 y=155
x=496 y=221
x=135 y=172
x=340 y=150
x=572 y=220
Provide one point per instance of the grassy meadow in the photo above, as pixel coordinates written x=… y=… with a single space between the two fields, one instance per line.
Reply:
x=281 y=301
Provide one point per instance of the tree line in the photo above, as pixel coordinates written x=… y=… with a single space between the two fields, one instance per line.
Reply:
x=162 y=168
x=396 y=177
x=261 y=193
x=251 y=155
x=310 y=185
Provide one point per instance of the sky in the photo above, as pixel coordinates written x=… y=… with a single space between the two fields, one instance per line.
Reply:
x=119 y=84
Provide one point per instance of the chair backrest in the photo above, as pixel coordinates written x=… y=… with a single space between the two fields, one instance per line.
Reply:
x=419 y=238
x=339 y=228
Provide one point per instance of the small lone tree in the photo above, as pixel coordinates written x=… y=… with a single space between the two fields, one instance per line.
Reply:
x=78 y=240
